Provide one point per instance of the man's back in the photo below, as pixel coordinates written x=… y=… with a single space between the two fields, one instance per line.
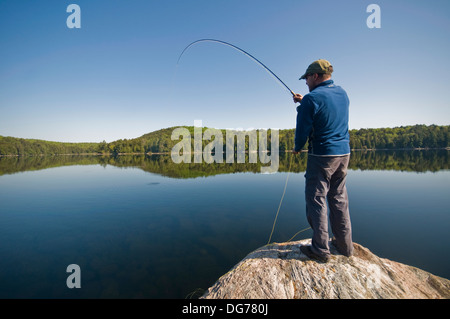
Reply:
x=323 y=117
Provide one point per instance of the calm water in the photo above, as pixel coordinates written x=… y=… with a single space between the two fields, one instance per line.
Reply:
x=139 y=228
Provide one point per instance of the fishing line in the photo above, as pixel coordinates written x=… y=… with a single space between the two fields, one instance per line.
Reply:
x=281 y=200
x=242 y=51
x=279 y=206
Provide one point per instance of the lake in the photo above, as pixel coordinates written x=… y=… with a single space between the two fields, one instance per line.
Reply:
x=144 y=227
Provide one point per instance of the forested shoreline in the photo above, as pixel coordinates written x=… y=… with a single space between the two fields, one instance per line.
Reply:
x=404 y=137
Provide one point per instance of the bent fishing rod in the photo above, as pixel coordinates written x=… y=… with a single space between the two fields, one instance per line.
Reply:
x=242 y=51
x=277 y=78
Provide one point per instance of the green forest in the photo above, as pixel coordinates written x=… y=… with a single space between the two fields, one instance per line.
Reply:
x=404 y=137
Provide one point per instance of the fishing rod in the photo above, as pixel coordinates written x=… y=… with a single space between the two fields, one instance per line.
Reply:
x=279 y=80
x=242 y=51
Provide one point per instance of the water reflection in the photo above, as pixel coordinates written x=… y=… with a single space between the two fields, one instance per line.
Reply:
x=412 y=161
x=159 y=232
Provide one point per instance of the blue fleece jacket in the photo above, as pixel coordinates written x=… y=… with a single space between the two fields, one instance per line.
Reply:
x=322 y=117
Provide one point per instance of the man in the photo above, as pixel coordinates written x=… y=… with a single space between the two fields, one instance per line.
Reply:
x=322 y=120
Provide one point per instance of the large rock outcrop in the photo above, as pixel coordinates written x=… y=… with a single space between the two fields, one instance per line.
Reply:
x=281 y=271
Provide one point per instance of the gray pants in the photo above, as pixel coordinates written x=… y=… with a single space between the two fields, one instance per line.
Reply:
x=325 y=182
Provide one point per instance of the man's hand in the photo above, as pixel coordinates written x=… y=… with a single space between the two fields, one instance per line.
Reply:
x=297 y=98
x=295 y=152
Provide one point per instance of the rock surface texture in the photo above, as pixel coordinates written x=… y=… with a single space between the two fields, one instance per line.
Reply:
x=281 y=271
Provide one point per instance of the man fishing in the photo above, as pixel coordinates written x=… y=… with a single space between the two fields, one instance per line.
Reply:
x=322 y=120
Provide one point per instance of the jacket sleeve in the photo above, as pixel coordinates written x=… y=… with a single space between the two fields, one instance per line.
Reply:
x=305 y=115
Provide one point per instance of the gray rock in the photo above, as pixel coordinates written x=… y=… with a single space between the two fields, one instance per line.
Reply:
x=281 y=271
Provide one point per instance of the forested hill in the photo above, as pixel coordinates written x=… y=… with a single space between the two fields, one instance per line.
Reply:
x=405 y=137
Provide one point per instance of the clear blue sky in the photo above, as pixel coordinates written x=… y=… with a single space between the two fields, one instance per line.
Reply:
x=117 y=76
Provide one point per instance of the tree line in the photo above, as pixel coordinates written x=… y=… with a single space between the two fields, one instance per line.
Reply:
x=404 y=137
x=21 y=146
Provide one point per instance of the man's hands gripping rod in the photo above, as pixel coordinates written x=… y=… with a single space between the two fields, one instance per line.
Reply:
x=297 y=97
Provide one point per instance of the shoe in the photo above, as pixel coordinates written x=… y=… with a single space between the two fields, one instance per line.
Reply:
x=308 y=252
x=334 y=243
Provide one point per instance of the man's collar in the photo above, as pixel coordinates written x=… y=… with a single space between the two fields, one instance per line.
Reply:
x=327 y=82
x=324 y=83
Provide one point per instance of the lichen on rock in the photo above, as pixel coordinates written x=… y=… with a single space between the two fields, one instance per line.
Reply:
x=281 y=271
